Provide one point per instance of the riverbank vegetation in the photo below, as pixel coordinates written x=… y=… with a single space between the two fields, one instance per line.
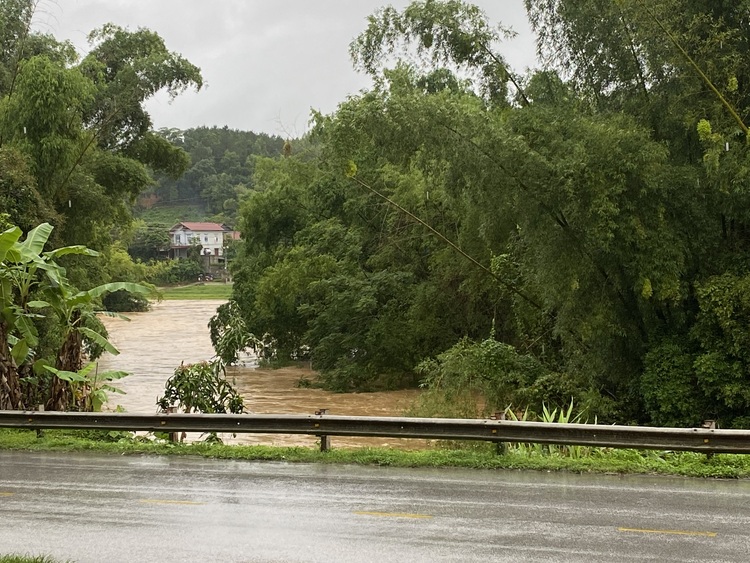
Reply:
x=27 y=559
x=578 y=232
x=477 y=456
x=206 y=290
x=76 y=149
x=49 y=329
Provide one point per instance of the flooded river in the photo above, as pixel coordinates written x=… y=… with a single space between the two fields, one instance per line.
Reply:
x=152 y=344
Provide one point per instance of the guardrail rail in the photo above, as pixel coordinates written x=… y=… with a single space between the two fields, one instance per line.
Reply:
x=704 y=440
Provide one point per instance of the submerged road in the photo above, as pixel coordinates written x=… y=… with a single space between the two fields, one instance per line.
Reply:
x=94 y=508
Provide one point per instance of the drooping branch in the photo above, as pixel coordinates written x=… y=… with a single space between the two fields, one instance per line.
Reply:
x=729 y=107
x=450 y=243
x=30 y=11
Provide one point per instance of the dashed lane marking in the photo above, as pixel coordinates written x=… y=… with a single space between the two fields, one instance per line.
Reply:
x=167 y=501
x=393 y=514
x=673 y=532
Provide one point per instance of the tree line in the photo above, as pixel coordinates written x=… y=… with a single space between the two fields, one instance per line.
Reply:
x=578 y=232
x=76 y=149
x=222 y=162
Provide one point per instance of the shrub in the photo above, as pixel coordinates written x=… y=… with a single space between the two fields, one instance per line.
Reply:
x=123 y=301
x=201 y=387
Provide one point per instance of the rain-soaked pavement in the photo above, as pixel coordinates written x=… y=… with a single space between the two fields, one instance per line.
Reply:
x=93 y=508
x=153 y=344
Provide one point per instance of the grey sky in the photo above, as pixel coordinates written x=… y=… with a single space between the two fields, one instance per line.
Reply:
x=265 y=64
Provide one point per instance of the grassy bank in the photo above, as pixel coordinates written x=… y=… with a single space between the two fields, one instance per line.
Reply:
x=26 y=559
x=208 y=290
x=169 y=214
x=480 y=456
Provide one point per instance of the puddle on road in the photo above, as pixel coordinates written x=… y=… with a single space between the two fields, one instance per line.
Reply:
x=152 y=344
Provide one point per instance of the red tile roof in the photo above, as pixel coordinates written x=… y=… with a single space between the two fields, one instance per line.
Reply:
x=199 y=226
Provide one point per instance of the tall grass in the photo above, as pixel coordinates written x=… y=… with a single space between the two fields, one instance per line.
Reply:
x=26 y=559
x=554 y=416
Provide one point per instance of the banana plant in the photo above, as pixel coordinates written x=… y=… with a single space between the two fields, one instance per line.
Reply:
x=27 y=271
x=10 y=389
x=74 y=309
x=21 y=262
x=89 y=388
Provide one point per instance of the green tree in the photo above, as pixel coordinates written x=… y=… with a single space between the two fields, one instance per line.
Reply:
x=442 y=32
x=330 y=271
x=598 y=222
x=150 y=241
x=679 y=68
x=80 y=129
x=33 y=286
x=201 y=387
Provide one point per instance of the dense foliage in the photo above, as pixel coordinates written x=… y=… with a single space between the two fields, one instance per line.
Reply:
x=48 y=328
x=76 y=149
x=201 y=387
x=76 y=145
x=220 y=173
x=581 y=232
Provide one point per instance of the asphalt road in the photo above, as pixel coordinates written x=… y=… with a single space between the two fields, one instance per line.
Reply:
x=93 y=508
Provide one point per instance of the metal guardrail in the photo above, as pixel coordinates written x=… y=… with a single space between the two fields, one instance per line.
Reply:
x=704 y=440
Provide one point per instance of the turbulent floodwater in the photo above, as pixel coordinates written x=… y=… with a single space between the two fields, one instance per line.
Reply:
x=152 y=344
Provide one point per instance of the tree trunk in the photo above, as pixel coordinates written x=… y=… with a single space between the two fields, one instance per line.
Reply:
x=10 y=384
x=70 y=358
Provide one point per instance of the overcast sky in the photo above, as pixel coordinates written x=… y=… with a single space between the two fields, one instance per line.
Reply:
x=265 y=64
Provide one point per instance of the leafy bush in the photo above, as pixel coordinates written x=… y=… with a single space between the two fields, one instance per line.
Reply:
x=201 y=387
x=123 y=301
x=173 y=271
x=229 y=334
x=89 y=389
x=722 y=331
x=475 y=378
x=669 y=387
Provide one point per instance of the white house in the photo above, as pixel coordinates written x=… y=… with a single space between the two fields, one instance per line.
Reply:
x=210 y=236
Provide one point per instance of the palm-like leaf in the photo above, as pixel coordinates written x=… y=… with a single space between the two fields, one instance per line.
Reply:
x=66 y=375
x=100 y=290
x=27 y=330
x=8 y=239
x=20 y=351
x=74 y=249
x=35 y=240
x=98 y=339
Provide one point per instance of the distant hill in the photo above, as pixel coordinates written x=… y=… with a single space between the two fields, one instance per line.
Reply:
x=222 y=165
x=170 y=213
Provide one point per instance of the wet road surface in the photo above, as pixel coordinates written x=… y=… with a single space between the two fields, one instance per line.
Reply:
x=93 y=508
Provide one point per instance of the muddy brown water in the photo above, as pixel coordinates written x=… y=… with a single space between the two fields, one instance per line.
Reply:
x=152 y=344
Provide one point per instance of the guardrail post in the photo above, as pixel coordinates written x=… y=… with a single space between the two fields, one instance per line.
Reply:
x=173 y=436
x=709 y=425
x=499 y=446
x=325 y=440
x=39 y=431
